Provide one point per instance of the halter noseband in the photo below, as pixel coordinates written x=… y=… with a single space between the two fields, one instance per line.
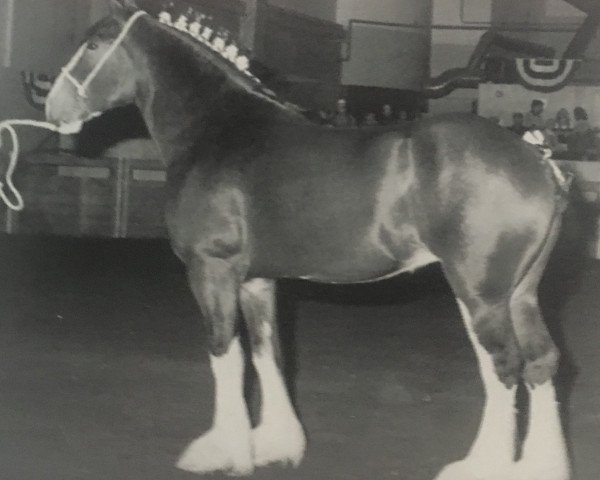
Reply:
x=81 y=87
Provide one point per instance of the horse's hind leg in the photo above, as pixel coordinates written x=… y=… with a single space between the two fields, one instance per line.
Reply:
x=544 y=454
x=492 y=453
x=227 y=445
x=512 y=344
x=279 y=437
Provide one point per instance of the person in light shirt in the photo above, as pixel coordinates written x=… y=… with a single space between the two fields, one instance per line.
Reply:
x=534 y=119
x=342 y=118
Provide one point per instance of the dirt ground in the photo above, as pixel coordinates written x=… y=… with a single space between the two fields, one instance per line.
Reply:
x=103 y=373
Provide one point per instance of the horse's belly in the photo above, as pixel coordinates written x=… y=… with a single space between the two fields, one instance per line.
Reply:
x=339 y=260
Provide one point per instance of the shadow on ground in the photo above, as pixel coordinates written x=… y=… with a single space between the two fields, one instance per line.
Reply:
x=104 y=375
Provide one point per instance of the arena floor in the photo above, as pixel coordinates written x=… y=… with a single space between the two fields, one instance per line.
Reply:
x=104 y=376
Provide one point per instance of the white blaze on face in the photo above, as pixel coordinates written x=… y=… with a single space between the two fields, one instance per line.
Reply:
x=61 y=98
x=70 y=128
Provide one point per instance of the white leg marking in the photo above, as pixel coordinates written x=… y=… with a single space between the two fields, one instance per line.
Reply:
x=279 y=437
x=544 y=452
x=492 y=453
x=227 y=445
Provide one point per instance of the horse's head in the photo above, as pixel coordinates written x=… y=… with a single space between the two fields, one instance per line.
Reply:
x=100 y=75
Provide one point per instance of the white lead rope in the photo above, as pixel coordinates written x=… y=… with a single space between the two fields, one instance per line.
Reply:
x=81 y=88
x=9 y=126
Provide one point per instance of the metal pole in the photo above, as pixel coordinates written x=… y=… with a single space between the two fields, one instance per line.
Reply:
x=8 y=33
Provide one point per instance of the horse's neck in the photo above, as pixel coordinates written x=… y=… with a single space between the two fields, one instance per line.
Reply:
x=178 y=90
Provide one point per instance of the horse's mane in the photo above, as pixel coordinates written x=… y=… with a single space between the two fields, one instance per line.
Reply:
x=244 y=79
x=109 y=28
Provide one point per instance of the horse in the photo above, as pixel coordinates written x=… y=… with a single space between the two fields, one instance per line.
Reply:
x=257 y=192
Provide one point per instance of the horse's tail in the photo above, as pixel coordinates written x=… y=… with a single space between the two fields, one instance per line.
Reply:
x=532 y=271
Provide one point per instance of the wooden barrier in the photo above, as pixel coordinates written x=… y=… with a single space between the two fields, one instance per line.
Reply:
x=105 y=197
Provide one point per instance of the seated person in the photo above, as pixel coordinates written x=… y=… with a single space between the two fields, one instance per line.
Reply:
x=370 y=120
x=341 y=117
x=518 y=124
x=386 y=116
x=582 y=124
x=562 y=125
x=582 y=143
x=562 y=121
x=534 y=119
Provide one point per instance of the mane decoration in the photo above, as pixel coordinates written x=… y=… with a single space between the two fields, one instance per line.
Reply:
x=201 y=28
x=219 y=40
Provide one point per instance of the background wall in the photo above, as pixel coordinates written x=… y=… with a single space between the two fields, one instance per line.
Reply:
x=323 y=9
x=392 y=50
x=43 y=46
x=458 y=25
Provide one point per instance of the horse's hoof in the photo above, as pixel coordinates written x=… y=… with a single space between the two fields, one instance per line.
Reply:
x=217 y=451
x=278 y=443
x=469 y=470
x=525 y=470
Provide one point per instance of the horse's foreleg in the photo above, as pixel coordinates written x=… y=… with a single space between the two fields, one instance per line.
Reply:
x=492 y=453
x=227 y=445
x=279 y=437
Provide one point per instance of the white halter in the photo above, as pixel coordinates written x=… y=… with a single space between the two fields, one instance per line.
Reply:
x=9 y=125
x=82 y=86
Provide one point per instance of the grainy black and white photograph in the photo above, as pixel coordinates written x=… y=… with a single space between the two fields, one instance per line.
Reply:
x=299 y=239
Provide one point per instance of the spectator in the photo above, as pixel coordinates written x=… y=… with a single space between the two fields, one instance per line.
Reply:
x=386 y=116
x=582 y=124
x=518 y=126
x=370 y=120
x=562 y=120
x=582 y=144
x=550 y=135
x=534 y=119
x=342 y=118
x=324 y=117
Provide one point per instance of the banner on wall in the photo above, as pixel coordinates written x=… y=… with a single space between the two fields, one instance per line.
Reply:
x=544 y=75
x=36 y=87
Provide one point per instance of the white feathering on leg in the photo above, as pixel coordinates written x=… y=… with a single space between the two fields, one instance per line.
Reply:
x=544 y=451
x=227 y=445
x=492 y=454
x=279 y=438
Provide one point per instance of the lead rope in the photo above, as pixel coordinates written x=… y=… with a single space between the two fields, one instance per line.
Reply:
x=8 y=125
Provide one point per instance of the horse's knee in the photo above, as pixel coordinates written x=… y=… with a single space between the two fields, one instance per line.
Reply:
x=257 y=300
x=215 y=287
x=219 y=341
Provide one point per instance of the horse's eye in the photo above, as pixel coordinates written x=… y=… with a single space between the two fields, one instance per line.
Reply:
x=92 y=46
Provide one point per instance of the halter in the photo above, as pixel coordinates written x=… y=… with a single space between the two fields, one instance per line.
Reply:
x=81 y=87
